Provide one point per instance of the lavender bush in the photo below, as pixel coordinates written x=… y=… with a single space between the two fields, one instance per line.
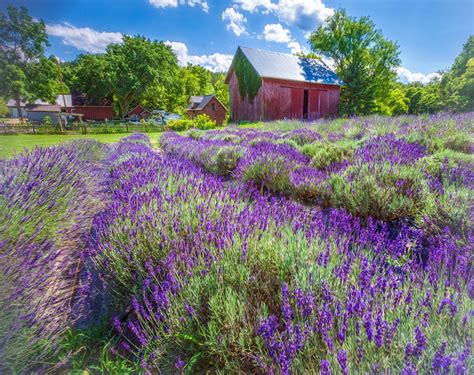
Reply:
x=259 y=284
x=48 y=198
x=336 y=247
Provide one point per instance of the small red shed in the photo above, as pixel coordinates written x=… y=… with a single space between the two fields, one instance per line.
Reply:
x=268 y=86
x=138 y=113
x=209 y=105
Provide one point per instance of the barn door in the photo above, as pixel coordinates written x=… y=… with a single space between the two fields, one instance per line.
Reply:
x=296 y=104
x=314 y=105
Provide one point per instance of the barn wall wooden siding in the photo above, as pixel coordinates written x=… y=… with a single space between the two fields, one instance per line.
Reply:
x=281 y=99
x=97 y=113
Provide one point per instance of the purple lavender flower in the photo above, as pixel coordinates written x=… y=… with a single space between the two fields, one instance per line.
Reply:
x=325 y=367
x=342 y=360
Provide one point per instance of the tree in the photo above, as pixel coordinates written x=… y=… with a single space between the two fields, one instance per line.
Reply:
x=26 y=73
x=132 y=66
x=221 y=90
x=396 y=103
x=457 y=85
x=3 y=107
x=423 y=98
x=363 y=59
x=88 y=74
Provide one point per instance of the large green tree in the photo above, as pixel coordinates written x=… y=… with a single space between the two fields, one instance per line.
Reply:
x=457 y=85
x=25 y=73
x=364 y=59
x=136 y=64
x=191 y=80
x=88 y=74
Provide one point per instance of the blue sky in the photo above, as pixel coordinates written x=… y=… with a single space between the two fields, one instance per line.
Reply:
x=430 y=32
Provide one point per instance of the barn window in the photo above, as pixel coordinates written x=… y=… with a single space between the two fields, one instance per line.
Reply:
x=213 y=106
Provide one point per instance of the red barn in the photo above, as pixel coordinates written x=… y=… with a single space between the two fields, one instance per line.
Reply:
x=209 y=105
x=94 y=112
x=268 y=86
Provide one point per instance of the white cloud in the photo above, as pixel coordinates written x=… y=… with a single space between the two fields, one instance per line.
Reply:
x=255 y=5
x=237 y=21
x=175 y=3
x=164 y=3
x=275 y=32
x=84 y=38
x=216 y=62
x=304 y=14
x=406 y=76
x=295 y=47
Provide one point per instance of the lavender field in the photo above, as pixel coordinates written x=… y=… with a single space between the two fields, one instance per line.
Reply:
x=337 y=247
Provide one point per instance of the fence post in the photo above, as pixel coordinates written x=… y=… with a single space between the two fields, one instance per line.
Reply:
x=33 y=126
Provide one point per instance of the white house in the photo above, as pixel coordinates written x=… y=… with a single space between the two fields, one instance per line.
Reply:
x=61 y=101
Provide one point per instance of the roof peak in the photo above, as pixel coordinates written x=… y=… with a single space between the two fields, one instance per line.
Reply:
x=283 y=53
x=278 y=65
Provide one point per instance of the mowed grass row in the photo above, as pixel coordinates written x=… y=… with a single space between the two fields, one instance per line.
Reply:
x=15 y=144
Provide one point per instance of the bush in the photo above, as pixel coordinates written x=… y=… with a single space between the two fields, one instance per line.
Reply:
x=48 y=199
x=324 y=154
x=303 y=136
x=450 y=209
x=226 y=159
x=459 y=142
x=204 y=122
x=309 y=184
x=195 y=134
x=288 y=142
x=179 y=125
x=269 y=166
x=383 y=191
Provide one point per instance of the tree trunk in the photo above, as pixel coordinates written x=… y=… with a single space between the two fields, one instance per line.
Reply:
x=18 y=108
x=124 y=104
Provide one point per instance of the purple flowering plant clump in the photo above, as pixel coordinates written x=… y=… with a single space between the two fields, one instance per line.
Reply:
x=48 y=198
x=335 y=247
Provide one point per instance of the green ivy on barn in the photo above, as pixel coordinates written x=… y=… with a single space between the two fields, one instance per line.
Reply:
x=249 y=80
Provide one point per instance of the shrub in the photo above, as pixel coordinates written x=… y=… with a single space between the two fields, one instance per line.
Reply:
x=382 y=191
x=226 y=159
x=48 y=199
x=309 y=184
x=179 y=125
x=449 y=168
x=459 y=142
x=288 y=142
x=324 y=154
x=388 y=148
x=203 y=122
x=269 y=166
x=195 y=134
x=450 y=209
x=303 y=136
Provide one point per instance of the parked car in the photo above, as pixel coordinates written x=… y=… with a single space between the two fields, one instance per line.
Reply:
x=157 y=120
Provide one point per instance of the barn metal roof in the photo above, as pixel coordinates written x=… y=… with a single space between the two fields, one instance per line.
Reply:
x=43 y=108
x=59 y=101
x=290 y=67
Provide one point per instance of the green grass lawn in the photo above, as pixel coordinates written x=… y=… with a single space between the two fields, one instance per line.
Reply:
x=13 y=144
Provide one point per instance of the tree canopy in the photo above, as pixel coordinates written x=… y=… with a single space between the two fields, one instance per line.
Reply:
x=26 y=73
x=363 y=59
x=141 y=71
